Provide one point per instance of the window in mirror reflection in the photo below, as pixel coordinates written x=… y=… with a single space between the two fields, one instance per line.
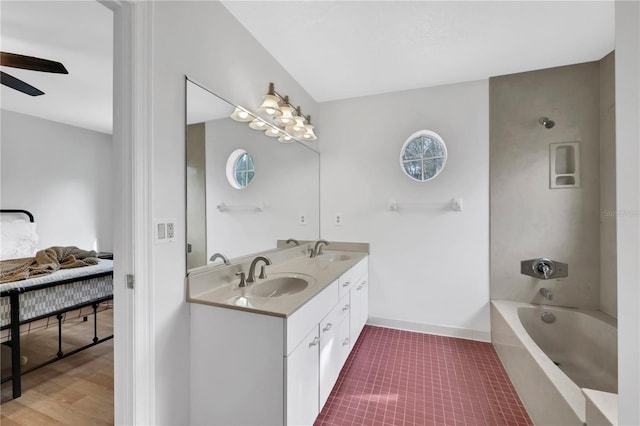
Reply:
x=240 y=169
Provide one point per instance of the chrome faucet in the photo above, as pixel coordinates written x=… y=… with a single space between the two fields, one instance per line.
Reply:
x=317 y=248
x=252 y=269
x=220 y=256
x=546 y=293
x=294 y=241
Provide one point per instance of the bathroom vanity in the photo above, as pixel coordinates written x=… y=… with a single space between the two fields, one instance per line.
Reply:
x=270 y=353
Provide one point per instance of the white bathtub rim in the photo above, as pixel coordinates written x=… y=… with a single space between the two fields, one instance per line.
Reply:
x=572 y=393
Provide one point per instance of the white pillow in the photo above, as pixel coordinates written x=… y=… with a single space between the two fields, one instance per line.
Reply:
x=18 y=239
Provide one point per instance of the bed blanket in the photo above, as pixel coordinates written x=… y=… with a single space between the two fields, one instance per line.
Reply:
x=45 y=262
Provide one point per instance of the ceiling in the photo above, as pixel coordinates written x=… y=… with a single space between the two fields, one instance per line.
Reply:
x=344 y=49
x=77 y=33
x=334 y=49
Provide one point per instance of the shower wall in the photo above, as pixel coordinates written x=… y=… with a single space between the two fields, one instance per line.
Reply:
x=528 y=219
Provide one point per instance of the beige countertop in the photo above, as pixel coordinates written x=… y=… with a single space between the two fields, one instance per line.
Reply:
x=220 y=286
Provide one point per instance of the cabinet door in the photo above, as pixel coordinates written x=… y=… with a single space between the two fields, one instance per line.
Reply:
x=302 y=381
x=364 y=306
x=332 y=356
x=359 y=309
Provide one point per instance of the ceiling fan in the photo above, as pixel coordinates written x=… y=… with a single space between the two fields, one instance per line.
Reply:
x=28 y=63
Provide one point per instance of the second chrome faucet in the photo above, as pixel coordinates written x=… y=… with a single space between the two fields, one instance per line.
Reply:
x=317 y=248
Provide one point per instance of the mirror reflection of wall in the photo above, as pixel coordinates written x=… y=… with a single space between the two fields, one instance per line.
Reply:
x=221 y=218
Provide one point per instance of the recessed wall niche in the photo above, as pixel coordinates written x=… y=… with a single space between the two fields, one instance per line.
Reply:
x=564 y=165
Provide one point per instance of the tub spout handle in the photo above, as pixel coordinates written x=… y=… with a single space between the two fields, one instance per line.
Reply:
x=546 y=293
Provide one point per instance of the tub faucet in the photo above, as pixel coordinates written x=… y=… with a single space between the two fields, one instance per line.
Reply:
x=251 y=277
x=220 y=256
x=317 y=249
x=546 y=293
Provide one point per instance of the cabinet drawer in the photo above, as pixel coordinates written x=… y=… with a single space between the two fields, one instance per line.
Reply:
x=349 y=278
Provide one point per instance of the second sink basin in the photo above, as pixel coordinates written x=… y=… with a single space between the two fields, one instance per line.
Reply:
x=277 y=286
x=333 y=257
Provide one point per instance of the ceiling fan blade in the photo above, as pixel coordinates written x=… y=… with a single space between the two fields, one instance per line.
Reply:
x=19 y=85
x=31 y=63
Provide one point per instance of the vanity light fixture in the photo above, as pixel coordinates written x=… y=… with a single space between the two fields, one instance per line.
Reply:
x=287 y=123
x=286 y=116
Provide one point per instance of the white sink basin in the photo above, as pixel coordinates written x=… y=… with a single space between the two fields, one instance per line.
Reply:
x=333 y=257
x=278 y=286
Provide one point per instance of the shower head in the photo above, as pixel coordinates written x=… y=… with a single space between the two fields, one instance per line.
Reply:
x=546 y=122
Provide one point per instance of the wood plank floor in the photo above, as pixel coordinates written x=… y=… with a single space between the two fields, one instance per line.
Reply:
x=77 y=390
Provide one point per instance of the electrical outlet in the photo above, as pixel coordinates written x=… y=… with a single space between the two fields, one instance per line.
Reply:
x=338 y=221
x=164 y=230
x=302 y=220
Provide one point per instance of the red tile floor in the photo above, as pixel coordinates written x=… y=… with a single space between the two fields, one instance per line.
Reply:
x=395 y=377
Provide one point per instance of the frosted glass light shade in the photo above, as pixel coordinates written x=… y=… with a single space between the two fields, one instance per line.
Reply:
x=285 y=139
x=308 y=133
x=286 y=118
x=241 y=115
x=258 y=124
x=273 y=132
x=270 y=106
x=297 y=127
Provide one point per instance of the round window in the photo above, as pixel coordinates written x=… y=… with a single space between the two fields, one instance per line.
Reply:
x=423 y=155
x=240 y=169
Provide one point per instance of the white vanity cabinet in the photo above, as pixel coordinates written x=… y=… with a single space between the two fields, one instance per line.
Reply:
x=249 y=368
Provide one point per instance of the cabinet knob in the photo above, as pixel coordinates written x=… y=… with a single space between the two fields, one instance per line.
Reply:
x=346 y=342
x=346 y=308
x=346 y=284
x=316 y=340
x=359 y=287
x=327 y=327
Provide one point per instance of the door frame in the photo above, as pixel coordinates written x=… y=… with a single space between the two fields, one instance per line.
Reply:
x=134 y=336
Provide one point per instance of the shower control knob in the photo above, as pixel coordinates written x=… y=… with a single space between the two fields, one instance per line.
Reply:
x=544 y=269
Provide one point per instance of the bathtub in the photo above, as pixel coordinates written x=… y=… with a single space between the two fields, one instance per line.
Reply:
x=549 y=363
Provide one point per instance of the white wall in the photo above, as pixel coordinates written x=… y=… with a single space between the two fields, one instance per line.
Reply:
x=204 y=41
x=627 y=70
x=429 y=267
x=63 y=175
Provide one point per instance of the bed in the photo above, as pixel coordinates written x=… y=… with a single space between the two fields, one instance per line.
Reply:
x=32 y=299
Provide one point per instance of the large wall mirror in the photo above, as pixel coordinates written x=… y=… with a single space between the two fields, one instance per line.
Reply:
x=270 y=193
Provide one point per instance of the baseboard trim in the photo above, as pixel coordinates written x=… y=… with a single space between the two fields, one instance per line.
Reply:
x=440 y=330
